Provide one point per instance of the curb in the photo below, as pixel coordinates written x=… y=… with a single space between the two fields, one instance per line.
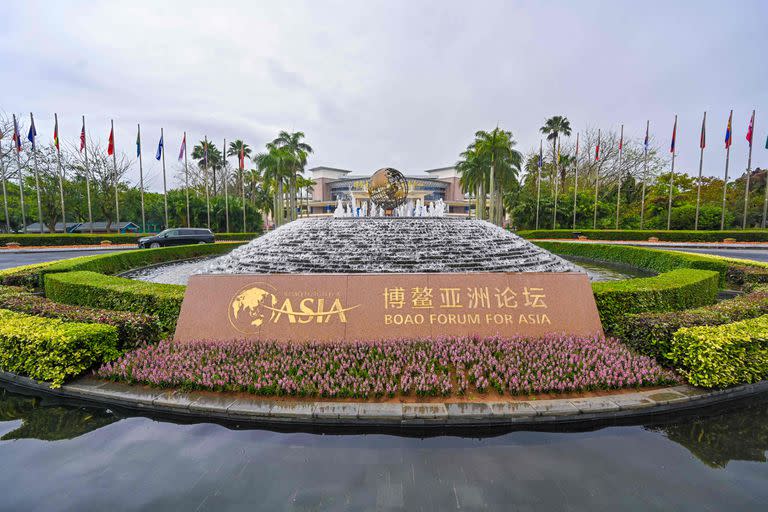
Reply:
x=662 y=245
x=63 y=249
x=207 y=406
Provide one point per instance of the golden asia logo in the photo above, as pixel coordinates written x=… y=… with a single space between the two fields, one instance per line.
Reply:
x=260 y=303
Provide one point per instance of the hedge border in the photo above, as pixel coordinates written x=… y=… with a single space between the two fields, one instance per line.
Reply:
x=44 y=240
x=754 y=235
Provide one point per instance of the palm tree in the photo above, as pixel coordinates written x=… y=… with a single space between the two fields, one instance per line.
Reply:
x=214 y=159
x=292 y=143
x=553 y=128
x=307 y=185
x=473 y=179
x=275 y=166
x=234 y=150
x=496 y=149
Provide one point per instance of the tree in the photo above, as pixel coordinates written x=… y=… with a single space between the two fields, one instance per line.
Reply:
x=298 y=151
x=215 y=161
x=553 y=127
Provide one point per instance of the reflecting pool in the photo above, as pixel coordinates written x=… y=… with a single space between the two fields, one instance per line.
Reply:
x=58 y=456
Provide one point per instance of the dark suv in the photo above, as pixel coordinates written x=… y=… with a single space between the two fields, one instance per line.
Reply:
x=178 y=236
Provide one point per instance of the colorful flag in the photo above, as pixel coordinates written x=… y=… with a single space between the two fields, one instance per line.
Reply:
x=577 y=145
x=82 y=137
x=597 y=147
x=621 y=139
x=751 y=128
x=111 y=145
x=16 y=135
x=729 y=132
x=674 y=136
x=541 y=156
x=56 y=135
x=703 y=139
x=241 y=158
x=646 y=141
x=766 y=143
x=160 y=148
x=138 y=144
x=183 y=148
x=32 y=132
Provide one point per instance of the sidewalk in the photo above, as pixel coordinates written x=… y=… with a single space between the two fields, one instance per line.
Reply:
x=69 y=248
x=683 y=245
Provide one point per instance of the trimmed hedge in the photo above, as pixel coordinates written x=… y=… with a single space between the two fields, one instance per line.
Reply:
x=38 y=240
x=753 y=235
x=651 y=333
x=670 y=291
x=112 y=263
x=722 y=355
x=642 y=257
x=133 y=329
x=52 y=350
x=84 y=288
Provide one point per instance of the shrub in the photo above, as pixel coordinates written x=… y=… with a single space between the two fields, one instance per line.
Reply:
x=83 y=288
x=441 y=366
x=53 y=350
x=747 y=235
x=133 y=329
x=746 y=274
x=722 y=355
x=670 y=291
x=38 y=240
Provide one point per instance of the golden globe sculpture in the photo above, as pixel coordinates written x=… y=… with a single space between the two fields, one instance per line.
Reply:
x=388 y=188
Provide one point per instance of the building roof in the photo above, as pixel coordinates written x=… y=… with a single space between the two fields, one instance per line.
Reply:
x=325 y=168
x=59 y=227
x=102 y=225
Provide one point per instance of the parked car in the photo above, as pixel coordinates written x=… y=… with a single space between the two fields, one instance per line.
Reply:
x=178 y=236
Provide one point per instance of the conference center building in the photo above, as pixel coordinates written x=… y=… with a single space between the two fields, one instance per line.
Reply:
x=332 y=184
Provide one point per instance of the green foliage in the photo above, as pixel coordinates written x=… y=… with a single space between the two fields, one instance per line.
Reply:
x=651 y=333
x=722 y=355
x=133 y=329
x=53 y=350
x=84 y=288
x=678 y=289
x=749 y=235
x=37 y=240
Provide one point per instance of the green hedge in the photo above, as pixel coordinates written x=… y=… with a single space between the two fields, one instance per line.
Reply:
x=722 y=355
x=53 y=350
x=651 y=333
x=642 y=257
x=112 y=263
x=38 y=240
x=749 y=235
x=83 y=288
x=133 y=329
x=670 y=291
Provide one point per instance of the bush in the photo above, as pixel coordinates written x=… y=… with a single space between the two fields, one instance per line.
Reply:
x=746 y=274
x=112 y=263
x=671 y=291
x=83 y=288
x=37 y=240
x=53 y=350
x=651 y=333
x=133 y=329
x=746 y=235
x=722 y=355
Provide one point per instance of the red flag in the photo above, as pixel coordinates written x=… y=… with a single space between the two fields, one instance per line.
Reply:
x=751 y=128
x=241 y=158
x=597 y=147
x=56 y=135
x=111 y=146
x=82 y=137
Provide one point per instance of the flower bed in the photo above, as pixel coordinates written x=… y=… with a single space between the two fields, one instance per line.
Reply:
x=443 y=366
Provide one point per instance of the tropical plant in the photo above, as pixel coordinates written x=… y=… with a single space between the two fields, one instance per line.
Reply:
x=553 y=128
x=298 y=152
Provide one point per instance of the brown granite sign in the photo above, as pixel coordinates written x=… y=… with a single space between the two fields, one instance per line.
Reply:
x=327 y=307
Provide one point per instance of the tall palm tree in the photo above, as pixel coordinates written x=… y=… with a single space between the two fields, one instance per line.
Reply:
x=292 y=143
x=275 y=165
x=234 y=150
x=215 y=159
x=496 y=148
x=473 y=179
x=553 y=128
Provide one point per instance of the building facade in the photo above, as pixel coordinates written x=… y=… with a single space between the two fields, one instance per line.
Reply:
x=332 y=184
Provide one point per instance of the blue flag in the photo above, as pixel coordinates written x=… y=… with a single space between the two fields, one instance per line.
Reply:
x=159 y=149
x=138 y=144
x=32 y=134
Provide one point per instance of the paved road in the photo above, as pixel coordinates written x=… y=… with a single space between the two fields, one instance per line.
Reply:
x=16 y=259
x=745 y=254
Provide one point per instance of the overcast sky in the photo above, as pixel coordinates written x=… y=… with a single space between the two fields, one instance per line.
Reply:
x=393 y=83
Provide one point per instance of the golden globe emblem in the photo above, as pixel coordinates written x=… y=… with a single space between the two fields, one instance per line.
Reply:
x=388 y=188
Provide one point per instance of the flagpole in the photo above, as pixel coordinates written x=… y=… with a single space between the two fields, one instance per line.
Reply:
x=224 y=179
x=87 y=181
x=618 y=189
x=749 y=175
x=114 y=164
x=538 y=182
x=725 y=181
x=671 y=177
x=701 y=166
x=141 y=179
x=205 y=177
x=557 y=183
x=61 y=174
x=645 y=174
x=241 y=164
x=597 y=177
x=5 y=193
x=186 y=178
x=17 y=133
x=165 y=183
x=37 y=175
x=575 y=179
